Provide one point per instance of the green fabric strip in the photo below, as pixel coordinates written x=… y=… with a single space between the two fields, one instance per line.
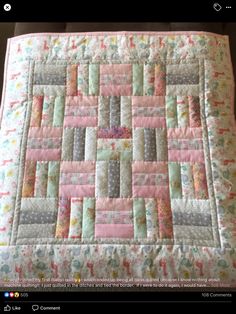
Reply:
x=171 y=112
x=137 y=79
x=88 y=218
x=58 y=115
x=53 y=178
x=140 y=227
x=40 y=189
x=94 y=79
x=48 y=109
x=175 y=180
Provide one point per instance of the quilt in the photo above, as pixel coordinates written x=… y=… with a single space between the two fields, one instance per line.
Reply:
x=118 y=159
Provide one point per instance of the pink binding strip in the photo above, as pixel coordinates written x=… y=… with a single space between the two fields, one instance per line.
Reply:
x=95 y=34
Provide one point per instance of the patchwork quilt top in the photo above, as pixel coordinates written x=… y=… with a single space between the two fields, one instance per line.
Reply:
x=118 y=158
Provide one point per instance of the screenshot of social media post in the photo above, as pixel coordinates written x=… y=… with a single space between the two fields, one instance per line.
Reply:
x=117 y=153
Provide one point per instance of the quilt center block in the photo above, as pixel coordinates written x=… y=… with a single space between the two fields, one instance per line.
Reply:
x=115 y=153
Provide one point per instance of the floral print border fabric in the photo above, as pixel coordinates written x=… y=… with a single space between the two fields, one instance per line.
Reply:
x=118 y=158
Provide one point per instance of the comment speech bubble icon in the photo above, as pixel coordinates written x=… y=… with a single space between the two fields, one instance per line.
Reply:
x=35 y=307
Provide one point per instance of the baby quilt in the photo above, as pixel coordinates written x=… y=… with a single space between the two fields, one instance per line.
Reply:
x=118 y=159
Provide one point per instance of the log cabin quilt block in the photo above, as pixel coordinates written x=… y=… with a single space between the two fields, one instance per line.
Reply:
x=118 y=158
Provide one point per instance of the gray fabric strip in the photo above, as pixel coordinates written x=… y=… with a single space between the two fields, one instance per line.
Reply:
x=50 y=75
x=161 y=144
x=38 y=204
x=193 y=219
x=79 y=144
x=149 y=144
x=48 y=79
x=67 y=144
x=36 y=217
x=36 y=231
x=114 y=111
x=114 y=178
x=175 y=79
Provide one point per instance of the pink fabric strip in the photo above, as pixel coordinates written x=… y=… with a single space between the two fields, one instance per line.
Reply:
x=184 y=133
x=186 y=155
x=71 y=88
x=194 y=112
x=114 y=231
x=77 y=166
x=46 y=132
x=149 y=122
x=148 y=101
x=36 y=115
x=76 y=190
x=160 y=80
x=81 y=101
x=63 y=218
x=43 y=154
x=115 y=90
x=115 y=69
x=80 y=121
x=149 y=167
x=117 y=204
x=29 y=179
x=165 y=219
x=151 y=191
x=200 y=181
